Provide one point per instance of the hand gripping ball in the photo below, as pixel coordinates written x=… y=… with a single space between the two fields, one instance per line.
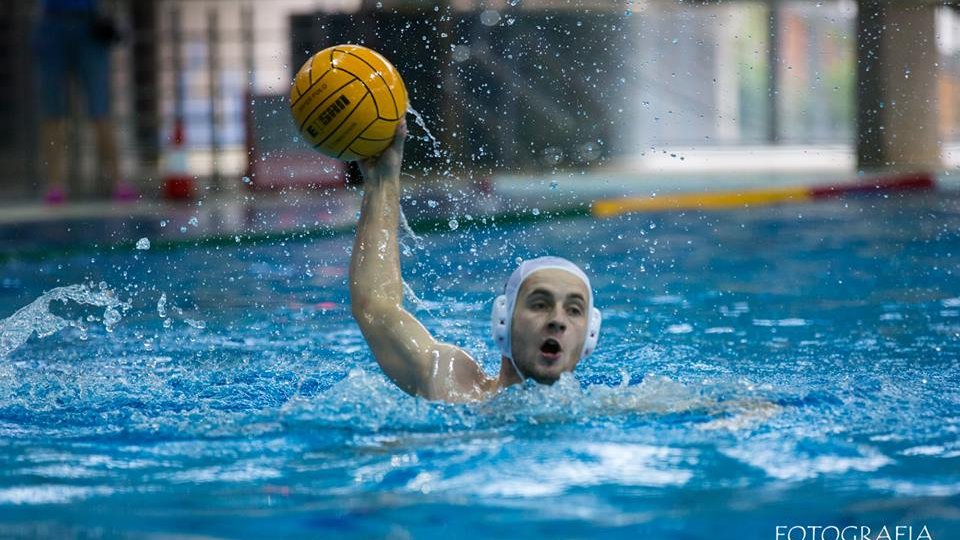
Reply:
x=347 y=101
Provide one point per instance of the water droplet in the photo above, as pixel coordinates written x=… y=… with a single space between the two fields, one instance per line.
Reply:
x=460 y=53
x=110 y=318
x=199 y=325
x=454 y=224
x=143 y=243
x=490 y=17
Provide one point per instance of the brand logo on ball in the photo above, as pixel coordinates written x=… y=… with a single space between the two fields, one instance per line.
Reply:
x=334 y=109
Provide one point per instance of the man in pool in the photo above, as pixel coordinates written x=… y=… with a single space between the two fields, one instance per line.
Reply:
x=545 y=323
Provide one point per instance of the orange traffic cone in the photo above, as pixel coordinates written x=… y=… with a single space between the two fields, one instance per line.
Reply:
x=178 y=183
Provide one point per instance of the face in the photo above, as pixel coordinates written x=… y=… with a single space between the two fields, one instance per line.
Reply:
x=549 y=324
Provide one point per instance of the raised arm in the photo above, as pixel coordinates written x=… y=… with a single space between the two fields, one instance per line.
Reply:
x=405 y=350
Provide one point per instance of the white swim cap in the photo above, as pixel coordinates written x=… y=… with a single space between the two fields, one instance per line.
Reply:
x=502 y=315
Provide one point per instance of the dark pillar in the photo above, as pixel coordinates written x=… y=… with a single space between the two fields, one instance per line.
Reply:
x=144 y=59
x=896 y=86
x=213 y=93
x=773 y=67
x=19 y=110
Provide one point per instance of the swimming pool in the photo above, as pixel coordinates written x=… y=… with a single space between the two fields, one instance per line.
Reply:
x=783 y=366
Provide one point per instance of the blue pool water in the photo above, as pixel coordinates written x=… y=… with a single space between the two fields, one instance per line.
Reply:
x=784 y=366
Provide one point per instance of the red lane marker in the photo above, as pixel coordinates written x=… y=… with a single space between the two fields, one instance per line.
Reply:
x=903 y=182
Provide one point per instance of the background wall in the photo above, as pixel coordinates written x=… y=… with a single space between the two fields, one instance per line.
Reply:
x=527 y=87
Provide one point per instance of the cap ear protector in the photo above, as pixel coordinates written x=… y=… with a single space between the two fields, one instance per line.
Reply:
x=593 y=333
x=500 y=325
x=500 y=319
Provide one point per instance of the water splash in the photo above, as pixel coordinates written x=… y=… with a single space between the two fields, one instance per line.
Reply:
x=162 y=306
x=412 y=297
x=36 y=318
x=418 y=118
x=368 y=400
x=568 y=398
x=168 y=311
x=408 y=291
x=408 y=232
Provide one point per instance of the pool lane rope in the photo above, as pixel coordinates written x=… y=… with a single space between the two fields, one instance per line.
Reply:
x=718 y=200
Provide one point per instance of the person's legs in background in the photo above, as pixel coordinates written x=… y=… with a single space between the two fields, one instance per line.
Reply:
x=107 y=154
x=67 y=49
x=54 y=83
x=95 y=75
x=53 y=157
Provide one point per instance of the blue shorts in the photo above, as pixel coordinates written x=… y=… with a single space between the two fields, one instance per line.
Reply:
x=66 y=49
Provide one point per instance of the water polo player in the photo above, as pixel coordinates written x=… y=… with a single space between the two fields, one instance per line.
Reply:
x=544 y=323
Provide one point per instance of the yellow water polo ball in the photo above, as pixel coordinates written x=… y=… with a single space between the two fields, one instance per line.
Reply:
x=347 y=101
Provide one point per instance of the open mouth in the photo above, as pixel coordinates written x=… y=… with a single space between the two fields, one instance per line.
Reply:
x=550 y=349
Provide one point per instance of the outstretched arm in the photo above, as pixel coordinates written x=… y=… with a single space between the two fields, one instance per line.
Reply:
x=405 y=350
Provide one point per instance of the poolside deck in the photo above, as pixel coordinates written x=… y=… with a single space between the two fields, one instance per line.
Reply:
x=35 y=230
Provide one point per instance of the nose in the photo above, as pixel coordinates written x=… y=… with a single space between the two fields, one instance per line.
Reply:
x=557 y=325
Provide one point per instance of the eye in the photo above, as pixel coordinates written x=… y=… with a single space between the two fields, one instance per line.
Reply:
x=538 y=305
x=575 y=311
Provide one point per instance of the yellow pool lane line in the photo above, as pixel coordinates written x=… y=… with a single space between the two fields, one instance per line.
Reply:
x=702 y=201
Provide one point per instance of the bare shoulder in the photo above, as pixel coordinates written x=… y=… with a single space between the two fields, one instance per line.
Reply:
x=456 y=377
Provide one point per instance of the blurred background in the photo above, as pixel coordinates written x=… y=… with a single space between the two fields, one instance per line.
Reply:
x=515 y=87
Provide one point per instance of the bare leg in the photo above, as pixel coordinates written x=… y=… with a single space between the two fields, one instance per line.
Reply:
x=107 y=150
x=53 y=153
x=110 y=162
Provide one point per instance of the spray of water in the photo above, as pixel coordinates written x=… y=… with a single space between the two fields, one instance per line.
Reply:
x=412 y=297
x=408 y=232
x=434 y=143
x=36 y=317
x=405 y=225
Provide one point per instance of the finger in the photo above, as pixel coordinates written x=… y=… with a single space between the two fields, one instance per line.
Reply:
x=366 y=165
